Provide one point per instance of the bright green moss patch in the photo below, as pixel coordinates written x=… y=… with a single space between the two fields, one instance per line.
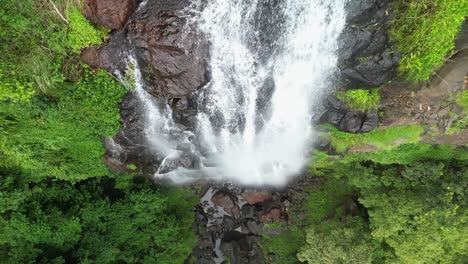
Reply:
x=410 y=153
x=81 y=33
x=381 y=138
x=360 y=99
x=424 y=32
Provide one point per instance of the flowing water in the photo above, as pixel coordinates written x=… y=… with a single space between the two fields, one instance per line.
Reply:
x=271 y=62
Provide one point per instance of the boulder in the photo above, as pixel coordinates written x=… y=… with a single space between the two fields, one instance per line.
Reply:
x=347 y=120
x=109 y=13
x=253 y=197
x=171 y=53
x=228 y=202
x=273 y=215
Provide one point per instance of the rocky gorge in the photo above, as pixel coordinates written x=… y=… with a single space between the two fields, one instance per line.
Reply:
x=173 y=55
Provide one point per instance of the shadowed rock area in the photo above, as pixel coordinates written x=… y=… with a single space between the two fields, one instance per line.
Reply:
x=367 y=57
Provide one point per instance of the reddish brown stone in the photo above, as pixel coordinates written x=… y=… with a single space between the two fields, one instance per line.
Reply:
x=109 y=13
x=256 y=197
x=273 y=215
x=90 y=56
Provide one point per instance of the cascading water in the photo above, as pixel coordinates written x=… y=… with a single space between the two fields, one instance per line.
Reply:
x=270 y=63
x=266 y=145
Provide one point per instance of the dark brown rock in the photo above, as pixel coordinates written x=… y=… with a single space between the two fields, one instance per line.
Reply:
x=91 y=57
x=109 y=13
x=252 y=197
x=171 y=53
x=228 y=202
x=273 y=215
x=174 y=55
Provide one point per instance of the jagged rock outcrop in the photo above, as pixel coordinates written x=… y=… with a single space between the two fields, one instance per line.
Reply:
x=346 y=119
x=109 y=13
x=366 y=55
x=171 y=53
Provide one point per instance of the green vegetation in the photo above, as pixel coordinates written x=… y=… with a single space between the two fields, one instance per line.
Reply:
x=462 y=100
x=424 y=32
x=324 y=199
x=58 y=201
x=360 y=99
x=380 y=138
x=460 y=118
x=415 y=198
x=285 y=246
x=81 y=33
x=99 y=220
x=346 y=242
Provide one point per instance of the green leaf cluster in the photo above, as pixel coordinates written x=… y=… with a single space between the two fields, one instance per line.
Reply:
x=425 y=32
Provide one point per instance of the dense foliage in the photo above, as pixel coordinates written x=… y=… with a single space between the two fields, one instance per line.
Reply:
x=425 y=31
x=415 y=201
x=99 y=220
x=345 y=242
x=58 y=201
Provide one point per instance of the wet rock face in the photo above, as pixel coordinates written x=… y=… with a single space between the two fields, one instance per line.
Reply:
x=347 y=120
x=109 y=13
x=171 y=53
x=366 y=56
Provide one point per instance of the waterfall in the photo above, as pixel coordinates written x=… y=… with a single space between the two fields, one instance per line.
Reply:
x=267 y=79
x=270 y=63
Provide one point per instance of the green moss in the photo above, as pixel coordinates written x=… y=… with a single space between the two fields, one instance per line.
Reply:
x=360 y=99
x=323 y=199
x=81 y=33
x=425 y=31
x=285 y=247
x=380 y=138
x=410 y=153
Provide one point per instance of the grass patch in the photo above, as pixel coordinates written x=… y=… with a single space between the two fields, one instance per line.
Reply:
x=285 y=246
x=381 y=138
x=360 y=99
x=424 y=32
x=35 y=42
x=410 y=153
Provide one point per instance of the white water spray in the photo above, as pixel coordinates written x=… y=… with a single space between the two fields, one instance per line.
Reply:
x=254 y=122
x=304 y=59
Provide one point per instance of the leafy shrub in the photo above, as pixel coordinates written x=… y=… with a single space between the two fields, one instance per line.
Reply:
x=360 y=99
x=424 y=32
x=345 y=242
x=81 y=33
